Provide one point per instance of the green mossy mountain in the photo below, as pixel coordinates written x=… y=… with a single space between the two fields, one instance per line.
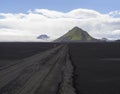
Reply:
x=76 y=35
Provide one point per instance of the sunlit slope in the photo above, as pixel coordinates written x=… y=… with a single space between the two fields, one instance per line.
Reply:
x=76 y=34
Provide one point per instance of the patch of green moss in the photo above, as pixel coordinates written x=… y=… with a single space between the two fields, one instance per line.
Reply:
x=75 y=35
x=89 y=38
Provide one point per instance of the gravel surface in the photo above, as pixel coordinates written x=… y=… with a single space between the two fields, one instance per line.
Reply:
x=49 y=72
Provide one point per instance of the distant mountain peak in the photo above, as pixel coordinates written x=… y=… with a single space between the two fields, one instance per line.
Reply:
x=43 y=37
x=76 y=34
x=76 y=28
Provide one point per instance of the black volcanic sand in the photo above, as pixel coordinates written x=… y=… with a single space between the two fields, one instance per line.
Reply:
x=48 y=72
x=47 y=68
x=97 y=67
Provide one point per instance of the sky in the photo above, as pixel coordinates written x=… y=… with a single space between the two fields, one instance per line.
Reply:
x=16 y=6
x=27 y=19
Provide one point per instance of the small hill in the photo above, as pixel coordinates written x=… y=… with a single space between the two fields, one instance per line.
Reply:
x=76 y=35
x=43 y=37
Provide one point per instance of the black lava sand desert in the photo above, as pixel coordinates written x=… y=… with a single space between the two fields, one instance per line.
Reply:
x=60 y=68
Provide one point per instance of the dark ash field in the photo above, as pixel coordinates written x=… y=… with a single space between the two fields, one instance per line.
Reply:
x=93 y=67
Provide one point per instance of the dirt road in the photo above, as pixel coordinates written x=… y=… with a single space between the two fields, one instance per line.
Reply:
x=49 y=72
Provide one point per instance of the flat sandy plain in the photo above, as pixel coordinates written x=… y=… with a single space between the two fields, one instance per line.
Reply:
x=60 y=68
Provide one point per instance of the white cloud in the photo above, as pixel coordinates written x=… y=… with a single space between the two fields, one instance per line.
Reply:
x=55 y=24
x=115 y=13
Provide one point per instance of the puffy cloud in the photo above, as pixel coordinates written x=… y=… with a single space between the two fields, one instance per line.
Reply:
x=29 y=25
x=115 y=13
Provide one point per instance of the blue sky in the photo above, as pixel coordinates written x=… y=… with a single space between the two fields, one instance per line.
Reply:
x=16 y=6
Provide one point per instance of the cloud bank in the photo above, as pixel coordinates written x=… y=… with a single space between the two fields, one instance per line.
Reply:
x=29 y=25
